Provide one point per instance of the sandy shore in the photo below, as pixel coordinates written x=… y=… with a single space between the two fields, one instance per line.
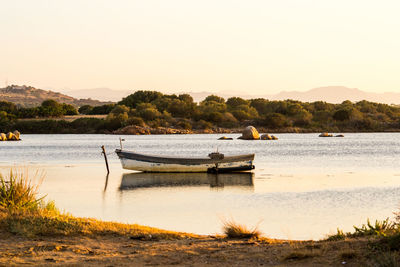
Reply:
x=109 y=250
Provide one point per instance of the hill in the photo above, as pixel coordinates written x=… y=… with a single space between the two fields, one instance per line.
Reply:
x=28 y=96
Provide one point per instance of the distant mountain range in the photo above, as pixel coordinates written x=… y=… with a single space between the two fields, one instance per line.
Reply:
x=331 y=94
x=105 y=94
x=338 y=94
x=28 y=96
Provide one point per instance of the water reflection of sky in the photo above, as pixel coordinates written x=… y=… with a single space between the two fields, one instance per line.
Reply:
x=303 y=187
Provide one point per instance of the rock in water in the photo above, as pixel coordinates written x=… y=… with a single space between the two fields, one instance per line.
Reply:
x=9 y=136
x=325 y=135
x=225 y=138
x=250 y=133
x=16 y=135
x=266 y=137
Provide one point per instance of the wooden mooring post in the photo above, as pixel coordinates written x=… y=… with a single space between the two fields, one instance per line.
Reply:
x=105 y=158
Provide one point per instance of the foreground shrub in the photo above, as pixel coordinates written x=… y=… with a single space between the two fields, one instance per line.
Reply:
x=391 y=242
x=338 y=236
x=235 y=230
x=17 y=192
x=379 y=228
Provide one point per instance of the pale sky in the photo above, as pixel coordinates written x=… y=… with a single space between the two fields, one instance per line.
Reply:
x=252 y=46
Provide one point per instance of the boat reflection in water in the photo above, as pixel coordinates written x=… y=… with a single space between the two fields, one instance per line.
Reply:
x=146 y=180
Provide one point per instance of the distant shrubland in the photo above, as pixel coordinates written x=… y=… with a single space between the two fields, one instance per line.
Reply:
x=154 y=109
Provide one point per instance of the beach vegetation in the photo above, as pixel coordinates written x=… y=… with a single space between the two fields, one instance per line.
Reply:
x=340 y=235
x=235 y=230
x=378 y=228
x=18 y=193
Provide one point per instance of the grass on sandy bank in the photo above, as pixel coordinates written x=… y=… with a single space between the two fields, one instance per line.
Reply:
x=384 y=241
x=17 y=193
x=23 y=212
x=379 y=228
x=239 y=231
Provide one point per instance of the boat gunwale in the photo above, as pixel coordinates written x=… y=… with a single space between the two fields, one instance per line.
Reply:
x=184 y=161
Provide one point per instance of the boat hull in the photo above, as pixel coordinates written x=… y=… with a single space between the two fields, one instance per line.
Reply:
x=146 y=163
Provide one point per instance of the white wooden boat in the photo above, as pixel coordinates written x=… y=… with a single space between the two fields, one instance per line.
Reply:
x=215 y=163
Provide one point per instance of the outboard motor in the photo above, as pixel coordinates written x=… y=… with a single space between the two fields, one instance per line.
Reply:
x=216 y=155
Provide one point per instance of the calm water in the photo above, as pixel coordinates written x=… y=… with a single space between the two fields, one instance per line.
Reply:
x=303 y=187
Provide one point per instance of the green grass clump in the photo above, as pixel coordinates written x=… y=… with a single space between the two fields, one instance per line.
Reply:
x=380 y=228
x=340 y=235
x=235 y=230
x=17 y=193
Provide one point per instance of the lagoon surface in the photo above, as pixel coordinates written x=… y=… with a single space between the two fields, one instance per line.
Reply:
x=303 y=187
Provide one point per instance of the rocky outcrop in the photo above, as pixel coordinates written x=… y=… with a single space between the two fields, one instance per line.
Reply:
x=268 y=137
x=10 y=136
x=250 y=133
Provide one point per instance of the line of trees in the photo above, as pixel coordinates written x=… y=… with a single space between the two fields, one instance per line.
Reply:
x=180 y=111
x=157 y=109
x=48 y=108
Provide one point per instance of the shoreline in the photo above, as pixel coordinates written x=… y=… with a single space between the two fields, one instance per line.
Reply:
x=173 y=131
x=43 y=235
x=39 y=124
x=125 y=251
x=113 y=245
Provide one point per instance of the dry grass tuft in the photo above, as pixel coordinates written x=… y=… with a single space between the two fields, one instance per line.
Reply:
x=340 y=235
x=300 y=255
x=51 y=224
x=239 y=231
